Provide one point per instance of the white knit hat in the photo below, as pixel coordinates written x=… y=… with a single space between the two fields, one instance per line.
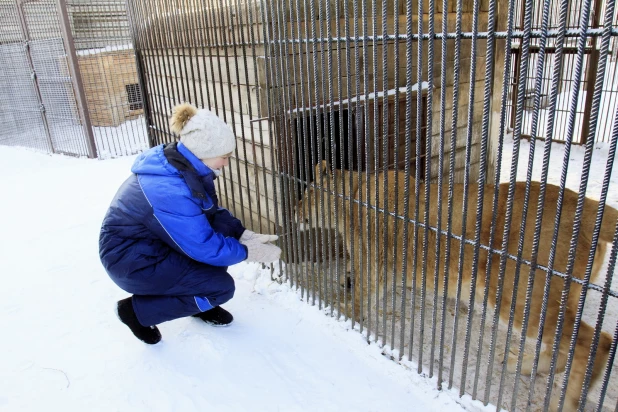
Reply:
x=202 y=132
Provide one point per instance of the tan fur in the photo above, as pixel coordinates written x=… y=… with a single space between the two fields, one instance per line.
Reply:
x=181 y=114
x=350 y=216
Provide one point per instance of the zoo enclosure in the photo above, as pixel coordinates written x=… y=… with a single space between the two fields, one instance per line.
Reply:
x=609 y=100
x=69 y=78
x=422 y=88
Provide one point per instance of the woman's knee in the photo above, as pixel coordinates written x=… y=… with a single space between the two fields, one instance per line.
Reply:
x=226 y=287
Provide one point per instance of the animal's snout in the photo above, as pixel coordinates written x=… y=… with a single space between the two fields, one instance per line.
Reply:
x=300 y=218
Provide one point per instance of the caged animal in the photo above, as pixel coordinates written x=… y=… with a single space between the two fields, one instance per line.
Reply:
x=353 y=215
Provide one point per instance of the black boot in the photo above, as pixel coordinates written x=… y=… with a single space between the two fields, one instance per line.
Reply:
x=126 y=314
x=216 y=316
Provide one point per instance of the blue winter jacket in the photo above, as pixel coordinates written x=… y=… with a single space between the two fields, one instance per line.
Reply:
x=169 y=204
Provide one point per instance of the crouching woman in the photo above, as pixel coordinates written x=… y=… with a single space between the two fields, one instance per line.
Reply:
x=166 y=240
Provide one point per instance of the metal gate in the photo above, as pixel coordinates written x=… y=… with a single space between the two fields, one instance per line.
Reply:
x=585 y=85
x=371 y=136
x=43 y=108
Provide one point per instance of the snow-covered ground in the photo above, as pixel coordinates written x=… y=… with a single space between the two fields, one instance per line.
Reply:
x=62 y=347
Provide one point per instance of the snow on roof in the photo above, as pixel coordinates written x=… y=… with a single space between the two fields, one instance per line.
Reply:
x=361 y=98
x=87 y=52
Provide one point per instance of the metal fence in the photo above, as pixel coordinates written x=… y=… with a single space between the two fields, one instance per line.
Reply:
x=372 y=137
x=69 y=78
x=568 y=61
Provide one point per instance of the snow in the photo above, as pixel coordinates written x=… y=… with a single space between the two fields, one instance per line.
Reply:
x=362 y=98
x=64 y=349
x=86 y=52
x=128 y=138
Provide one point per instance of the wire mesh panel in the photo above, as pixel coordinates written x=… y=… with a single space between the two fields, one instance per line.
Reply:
x=382 y=140
x=69 y=90
x=105 y=55
x=49 y=60
x=21 y=116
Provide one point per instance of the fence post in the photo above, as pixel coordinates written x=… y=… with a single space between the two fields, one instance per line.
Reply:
x=76 y=78
x=591 y=73
x=35 y=82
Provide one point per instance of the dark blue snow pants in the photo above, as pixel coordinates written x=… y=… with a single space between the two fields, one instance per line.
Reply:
x=201 y=287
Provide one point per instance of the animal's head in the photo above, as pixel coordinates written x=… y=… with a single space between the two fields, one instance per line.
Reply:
x=318 y=200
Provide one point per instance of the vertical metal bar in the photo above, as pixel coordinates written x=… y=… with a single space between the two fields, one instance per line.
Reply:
x=322 y=154
x=367 y=138
x=443 y=87
x=406 y=197
x=376 y=158
x=358 y=280
x=340 y=233
x=451 y=188
x=349 y=215
x=385 y=165
x=417 y=177
x=327 y=118
x=591 y=73
x=342 y=216
x=428 y=155
x=332 y=159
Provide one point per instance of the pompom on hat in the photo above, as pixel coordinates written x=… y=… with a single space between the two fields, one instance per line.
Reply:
x=202 y=132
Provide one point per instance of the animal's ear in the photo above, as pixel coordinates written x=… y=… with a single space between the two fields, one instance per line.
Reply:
x=322 y=168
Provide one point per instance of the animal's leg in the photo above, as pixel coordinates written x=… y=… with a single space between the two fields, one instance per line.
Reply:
x=580 y=362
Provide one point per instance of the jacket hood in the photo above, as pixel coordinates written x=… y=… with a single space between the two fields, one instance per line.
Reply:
x=154 y=162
